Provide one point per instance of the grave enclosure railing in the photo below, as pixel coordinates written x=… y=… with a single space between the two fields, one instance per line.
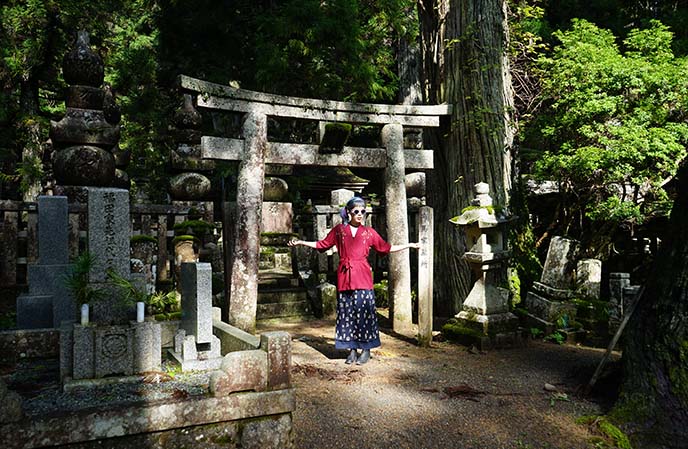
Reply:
x=19 y=223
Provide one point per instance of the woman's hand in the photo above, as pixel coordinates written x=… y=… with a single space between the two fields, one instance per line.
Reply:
x=294 y=242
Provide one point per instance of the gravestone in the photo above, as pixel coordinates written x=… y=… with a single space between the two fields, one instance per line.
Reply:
x=48 y=302
x=195 y=346
x=547 y=301
x=589 y=278
x=108 y=243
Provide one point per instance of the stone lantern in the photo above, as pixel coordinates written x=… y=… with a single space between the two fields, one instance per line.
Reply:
x=486 y=309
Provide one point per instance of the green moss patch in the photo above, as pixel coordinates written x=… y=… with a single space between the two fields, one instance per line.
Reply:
x=610 y=436
x=455 y=331
x=143 y=239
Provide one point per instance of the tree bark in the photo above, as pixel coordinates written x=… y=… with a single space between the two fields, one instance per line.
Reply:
x=653 y=402
x=465 y=64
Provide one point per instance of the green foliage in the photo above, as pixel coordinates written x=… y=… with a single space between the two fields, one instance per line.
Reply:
x=613 y=437
x=164 y=302
x=77 y=281
x=556 y=337
x=128 y=292
x=336 y=49
x=381 y=293
x=614 y=129
x=535 y=332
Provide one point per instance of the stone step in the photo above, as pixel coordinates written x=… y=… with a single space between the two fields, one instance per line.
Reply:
x=281 y=295
x=284 y=309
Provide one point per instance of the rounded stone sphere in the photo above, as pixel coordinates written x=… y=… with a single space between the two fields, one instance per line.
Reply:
x=275 y=189
x=415 y=184
x=189 y=186
x=84 y=165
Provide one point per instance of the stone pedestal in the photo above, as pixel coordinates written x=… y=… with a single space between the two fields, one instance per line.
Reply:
x=94 y=352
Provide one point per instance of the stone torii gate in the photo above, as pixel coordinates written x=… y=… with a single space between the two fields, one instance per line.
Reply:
x=254 y=151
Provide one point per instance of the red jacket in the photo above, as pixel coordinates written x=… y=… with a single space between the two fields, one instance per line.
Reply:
x=354 y=272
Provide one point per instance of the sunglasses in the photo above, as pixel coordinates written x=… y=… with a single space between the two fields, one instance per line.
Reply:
x=358 y=212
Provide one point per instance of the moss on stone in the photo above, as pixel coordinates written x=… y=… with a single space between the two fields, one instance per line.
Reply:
x=141 y=238
x=197 y=227
x=453 y=330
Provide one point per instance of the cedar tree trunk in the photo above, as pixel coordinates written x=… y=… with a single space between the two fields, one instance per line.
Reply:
x=654 y=395
x=465 y=64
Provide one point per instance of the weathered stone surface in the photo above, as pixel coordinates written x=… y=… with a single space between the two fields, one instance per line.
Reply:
x=34 y=311
x=83 y=127
x=277 y=345
x=327 y=296
x=197 y=302
x=267 y=433
x=108 y=232
x=560 y=265
x=244 y=285
x=589 y=278
x=276 y=218
x=11 y=410
x=30 y=343
x=82 y=65
x=415 y=184
x=275 y=189
x=84 y=166
x=147 y=344
x=189 y=186
x=397 y=227
x=425 y=275
x=241 y=371
x=340 y=197
x=549 y=310
x=114 y=351
x=189 y=163
x=111 y=110
x=557 y=294
x=234 y=339
x=144 y=419
x=53 y=227
x=83 y=352
x=187 y=117
x=84 y=97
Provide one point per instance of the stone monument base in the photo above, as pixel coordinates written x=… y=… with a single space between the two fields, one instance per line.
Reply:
x=549 y=311
x=95 y=351
x=496 y=331
x=192 y=356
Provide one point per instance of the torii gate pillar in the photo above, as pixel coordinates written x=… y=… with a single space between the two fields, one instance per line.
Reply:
x=244 y=288
x=397 y=227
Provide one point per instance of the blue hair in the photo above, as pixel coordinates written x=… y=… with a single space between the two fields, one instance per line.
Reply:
x=353 y=202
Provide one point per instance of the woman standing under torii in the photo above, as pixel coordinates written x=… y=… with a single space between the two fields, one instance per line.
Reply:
x=356 y=326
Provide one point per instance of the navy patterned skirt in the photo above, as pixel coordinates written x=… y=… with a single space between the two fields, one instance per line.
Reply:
x=356 y=326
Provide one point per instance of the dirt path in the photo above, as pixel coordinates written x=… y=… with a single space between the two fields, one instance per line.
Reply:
x=442 y=397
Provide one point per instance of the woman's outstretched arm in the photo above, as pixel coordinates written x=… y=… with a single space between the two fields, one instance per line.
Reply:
x=396 y=248
x=301 y=243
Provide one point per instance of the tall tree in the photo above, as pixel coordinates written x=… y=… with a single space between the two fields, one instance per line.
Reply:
x=465 y=64
x=654 y=396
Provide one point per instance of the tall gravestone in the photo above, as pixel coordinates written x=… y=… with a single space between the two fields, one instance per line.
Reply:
x=48 y=302
x=108 y=243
